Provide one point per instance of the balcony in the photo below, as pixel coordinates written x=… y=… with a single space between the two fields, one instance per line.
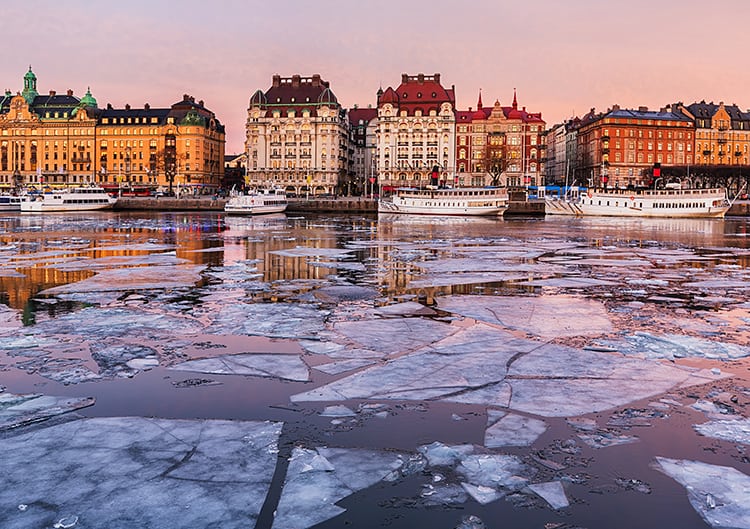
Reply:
x=706 y=153
x=738 y=153
x=605 y=138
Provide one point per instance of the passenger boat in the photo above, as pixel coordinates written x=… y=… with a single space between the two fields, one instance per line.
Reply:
x=257 y=202
x=10 y=203
x=641 y=202
x=448 y=201
x=86 y=198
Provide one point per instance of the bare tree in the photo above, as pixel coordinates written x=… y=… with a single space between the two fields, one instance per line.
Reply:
x=494 y=157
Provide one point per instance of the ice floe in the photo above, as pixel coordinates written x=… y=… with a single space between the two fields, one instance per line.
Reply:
x=23 y=410
x=283 y=366
x=718 y=493
x=318 y=478
x=552 y=492
x=163 y=474
x=137 y=278
x=732 y=430
x=671 y=346
x=510 y=429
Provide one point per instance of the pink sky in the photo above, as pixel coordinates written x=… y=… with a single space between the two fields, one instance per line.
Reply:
x=563 y=57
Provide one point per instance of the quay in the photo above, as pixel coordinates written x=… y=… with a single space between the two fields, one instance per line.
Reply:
x=740 y=208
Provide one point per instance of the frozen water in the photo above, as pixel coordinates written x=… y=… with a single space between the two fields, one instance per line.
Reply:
x=483 y=495
x=513 y=430
x=439 y=454
x=274 y=320
x=545 y=316
x=391 y=336
x=735 y=431
x=487 y=366
x=22 y=410
x=719 y=494
x=497 y=471
x=407 y=308
x=552 y=492
x=671 y=346
x=137 y=472
x=337 y=411
x=305 y=251
x=342 y=293
x=335 y=368
x=283 y=366
x=138 y=278
x=102 y=263
x=317 y=479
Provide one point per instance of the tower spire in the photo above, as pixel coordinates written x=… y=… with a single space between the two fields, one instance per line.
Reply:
x=479 y=103
x=515 y=101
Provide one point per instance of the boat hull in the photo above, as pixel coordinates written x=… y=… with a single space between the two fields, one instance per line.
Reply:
x=681 y=203
x=460 y=202
x=253 y=210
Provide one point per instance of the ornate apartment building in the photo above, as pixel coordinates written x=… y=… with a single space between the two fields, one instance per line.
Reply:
x=362 y=127
x=620 y=147
x=499 y=145
x=722 y=134
x=297 y=137
x=416 y=133
x=63 y=140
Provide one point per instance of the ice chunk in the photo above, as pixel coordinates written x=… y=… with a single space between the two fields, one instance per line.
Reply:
x=514 y=430
x=317 y=479
x=735 y=431
x=407 y=308
x=274 y=320
x=22 y=410
x=471 y=522
x=439 y=454
x=545 y=316
x=337 y=411
x=335 y=368
x=673 y=346
x=552 y=492
x=138 y=278
x=495 y=471
x=483 y=495
x=287 y=367
x=175 y=474
x=394 y=336
x=605 y=438
x=719 y=494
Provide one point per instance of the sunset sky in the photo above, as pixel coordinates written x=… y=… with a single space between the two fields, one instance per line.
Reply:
x=563 y=57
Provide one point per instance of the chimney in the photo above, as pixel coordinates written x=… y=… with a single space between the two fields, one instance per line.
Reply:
x=420 y=78
x=642 y=109
x=276 y=80
x=127 y=106
x=295 y=81
x=404 y=78
x=200 y=102
x=52 y=92
x=316 y=79
x=109 y=106
x=437 y=78
x=147 y=106
x=70 y=92
x=615 y=107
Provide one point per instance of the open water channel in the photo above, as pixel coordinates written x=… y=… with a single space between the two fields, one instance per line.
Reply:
x=191 y=370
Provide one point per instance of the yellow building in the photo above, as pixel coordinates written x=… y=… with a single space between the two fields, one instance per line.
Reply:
x=722 y=134
x=62 y=140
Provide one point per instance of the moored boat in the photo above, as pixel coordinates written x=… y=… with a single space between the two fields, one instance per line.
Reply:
x=446 y=201
x=85 y=198
x=641 y=202
x=10 y=203
x=257 y=202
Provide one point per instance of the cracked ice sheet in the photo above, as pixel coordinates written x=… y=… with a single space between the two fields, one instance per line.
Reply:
x=391 y=336
x=119 y=261
x=139 y=278
x=273 y=320
x=21 y=410
x=671 y=346
x=735 y=431
x=719 y=494
x=543 y=379
x=284 y=366
x=156 y=473
x=545 y=316
x=305 y=251
x=317 y=479
x=552 y=492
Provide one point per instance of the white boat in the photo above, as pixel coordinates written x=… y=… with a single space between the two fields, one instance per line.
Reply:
x=665 y=203
x=455 y=201
x=86 y=198
x=257 y=202
x=10 y=203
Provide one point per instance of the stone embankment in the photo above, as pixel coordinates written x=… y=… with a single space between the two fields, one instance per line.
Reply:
x=333 y=205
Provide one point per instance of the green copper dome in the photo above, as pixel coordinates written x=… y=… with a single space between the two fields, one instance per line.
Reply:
x=88 y=100
x=29 y=86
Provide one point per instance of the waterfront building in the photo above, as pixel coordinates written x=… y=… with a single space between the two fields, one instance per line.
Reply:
x=722 y=134
x=620 y=147
x=235 y=168
x=62 y=140
x=500 y=145
x=297 y=137
x=362 y=127
x=415 y=134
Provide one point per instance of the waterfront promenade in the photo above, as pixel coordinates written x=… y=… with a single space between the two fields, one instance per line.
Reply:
x=330 y=205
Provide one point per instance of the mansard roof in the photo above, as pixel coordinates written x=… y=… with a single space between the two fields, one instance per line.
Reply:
x=419 y=92
x=362 y=114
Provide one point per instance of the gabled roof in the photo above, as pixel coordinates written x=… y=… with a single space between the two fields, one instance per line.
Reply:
x=362 y=114
x=419 y=92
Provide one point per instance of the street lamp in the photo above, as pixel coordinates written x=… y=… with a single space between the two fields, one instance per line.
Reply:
x=17 y=178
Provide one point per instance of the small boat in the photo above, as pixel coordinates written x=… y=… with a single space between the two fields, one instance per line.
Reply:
x=257 y=202
x=446 y=201
x=10 y=203
x=86 y=198
x=671 y=202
